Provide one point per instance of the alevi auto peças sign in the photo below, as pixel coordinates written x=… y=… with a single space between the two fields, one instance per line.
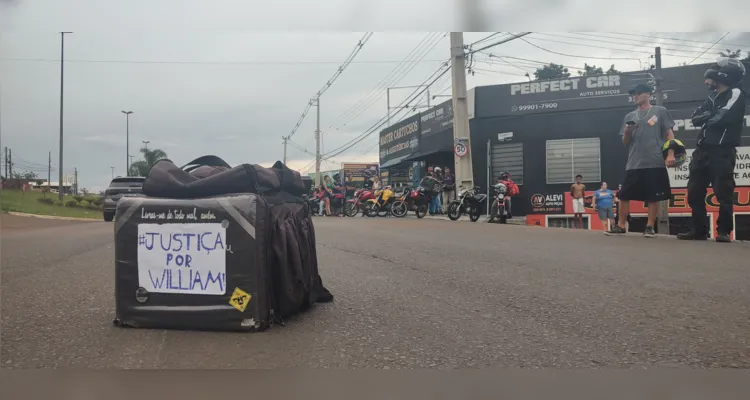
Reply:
x=399 y=140
x=585 y=92
x=547 y=203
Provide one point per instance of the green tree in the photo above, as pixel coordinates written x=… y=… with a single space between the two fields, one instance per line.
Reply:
x=551 y=71
x=150 y=157
x=591 y=70
x=612 y=70
x=27 y=175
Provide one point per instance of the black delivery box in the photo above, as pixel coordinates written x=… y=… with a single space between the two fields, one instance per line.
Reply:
x=193 y=263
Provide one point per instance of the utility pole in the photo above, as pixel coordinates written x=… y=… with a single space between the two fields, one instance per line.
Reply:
x=317 y=143
x=75 y=181
x=6 y=163
x=285 y=140
x=10 y=164
x=49 y=172
x=127 y=141
x=62 y=91
x=662 y=218
x=113 y=172
x=463 y=166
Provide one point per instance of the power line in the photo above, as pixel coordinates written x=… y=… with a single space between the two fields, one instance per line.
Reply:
x=505 y=40
x=393 y=78
x=704 y=51
x=424 y=86
x=207 y=62
x=597 y=47
x=675 y=39
x=640 y=42
x=619 y=41
x=335 y=76
x=486 y=38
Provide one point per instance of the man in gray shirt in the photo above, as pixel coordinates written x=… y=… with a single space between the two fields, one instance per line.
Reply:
x=644 y=132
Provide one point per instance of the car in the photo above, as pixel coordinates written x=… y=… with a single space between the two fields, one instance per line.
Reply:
x=131 y=186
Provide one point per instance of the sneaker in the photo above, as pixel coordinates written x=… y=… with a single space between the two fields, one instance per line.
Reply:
x=649 y=232
x=723 y=238
x=616 y=230
x=691 y=235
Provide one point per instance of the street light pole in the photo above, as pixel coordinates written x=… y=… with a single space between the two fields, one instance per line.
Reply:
x=127 y=142
x=146 y=142
x=62 y=91
x=113 y=172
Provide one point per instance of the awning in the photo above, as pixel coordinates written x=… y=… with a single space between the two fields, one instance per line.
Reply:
x=395 y=161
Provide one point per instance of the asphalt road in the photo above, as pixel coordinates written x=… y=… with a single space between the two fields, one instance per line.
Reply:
x=409 y=293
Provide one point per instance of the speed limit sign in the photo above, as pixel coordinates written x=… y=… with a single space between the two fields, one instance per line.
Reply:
x=460 y=149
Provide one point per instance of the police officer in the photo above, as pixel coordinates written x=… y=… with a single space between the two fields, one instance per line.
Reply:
x=720 y=119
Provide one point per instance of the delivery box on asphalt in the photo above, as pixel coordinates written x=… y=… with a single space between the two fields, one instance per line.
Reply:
x=215 y=248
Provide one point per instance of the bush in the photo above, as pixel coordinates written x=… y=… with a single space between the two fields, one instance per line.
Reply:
x=46 y=200
x=83 y=203
x=92 y=206
x=78 y=198
x=95 y=200
x=58 y=203
x=71 y=203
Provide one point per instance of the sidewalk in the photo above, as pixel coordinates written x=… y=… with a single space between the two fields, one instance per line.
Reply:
x=482 y=219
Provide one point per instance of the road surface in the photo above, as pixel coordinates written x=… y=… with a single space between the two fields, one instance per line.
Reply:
x=409 y=294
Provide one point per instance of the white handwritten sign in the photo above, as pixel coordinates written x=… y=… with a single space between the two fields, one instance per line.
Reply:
x=678 y=177
x=182 y=258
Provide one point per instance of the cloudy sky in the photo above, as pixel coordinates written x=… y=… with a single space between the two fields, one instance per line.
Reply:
x=198 y=89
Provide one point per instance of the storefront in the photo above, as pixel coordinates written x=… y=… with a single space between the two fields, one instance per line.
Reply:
x=436 y=139
x=397 y=143
x=546 y=132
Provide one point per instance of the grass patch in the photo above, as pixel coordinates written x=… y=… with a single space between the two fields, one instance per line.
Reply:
x=34 y=203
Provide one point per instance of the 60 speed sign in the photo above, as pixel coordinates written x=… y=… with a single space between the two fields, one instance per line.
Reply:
x=460 y=148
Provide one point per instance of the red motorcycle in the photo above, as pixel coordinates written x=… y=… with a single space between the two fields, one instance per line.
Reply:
x=357 y=203
x=411 y=200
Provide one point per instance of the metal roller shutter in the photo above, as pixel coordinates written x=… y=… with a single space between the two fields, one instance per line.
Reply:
x=508 y=157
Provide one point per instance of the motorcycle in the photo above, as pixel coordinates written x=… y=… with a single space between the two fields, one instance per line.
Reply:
x=313 y=204
x=380 y=206
x=500 y=205
x=358 y=202
x=337 y=204
x=411 y=200
x=469 y=202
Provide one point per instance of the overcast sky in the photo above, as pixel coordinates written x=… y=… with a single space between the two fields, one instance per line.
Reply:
x=199 y=90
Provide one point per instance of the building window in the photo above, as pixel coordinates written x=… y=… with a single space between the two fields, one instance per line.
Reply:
x=570 y=157
x=507 y=157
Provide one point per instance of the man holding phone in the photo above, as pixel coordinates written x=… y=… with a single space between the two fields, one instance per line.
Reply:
x=644 y=132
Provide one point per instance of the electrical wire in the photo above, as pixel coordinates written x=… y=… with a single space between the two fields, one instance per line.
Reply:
x=301 y=63
x=675 y=39
x=505 y=40
x=690 y=52
x=639 y=42
x=597 y=47
x=384 y=120
x=704 y=51
x=393 y=78
x=486 y=38
x=335 y=76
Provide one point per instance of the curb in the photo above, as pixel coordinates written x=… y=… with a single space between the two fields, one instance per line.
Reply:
x=19 y=214
x=482 y=219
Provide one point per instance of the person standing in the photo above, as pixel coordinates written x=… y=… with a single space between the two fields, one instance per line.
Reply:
x=604 y=201
x=644 y=132
x=578 y=192
x=449 y=189
x=438 y=198
x=721 y=120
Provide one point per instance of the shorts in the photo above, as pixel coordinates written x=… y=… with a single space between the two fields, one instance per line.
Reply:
x=606 y=213
x=648 y=184
x=578 y=207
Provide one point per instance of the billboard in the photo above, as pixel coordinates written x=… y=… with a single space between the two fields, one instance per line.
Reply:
x=437 y=119
x=399 y=140
x=356 y=173
x=680 y=84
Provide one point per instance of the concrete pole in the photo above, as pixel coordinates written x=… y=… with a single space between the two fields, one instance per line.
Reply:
x=463 y=165
x=662 y=219
x=285 y=140
x=317 y=144
x=62 y=91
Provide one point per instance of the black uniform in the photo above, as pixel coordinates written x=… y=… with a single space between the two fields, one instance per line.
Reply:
x=721 y=119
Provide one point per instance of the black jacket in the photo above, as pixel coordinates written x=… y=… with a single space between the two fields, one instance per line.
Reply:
x=721 y=119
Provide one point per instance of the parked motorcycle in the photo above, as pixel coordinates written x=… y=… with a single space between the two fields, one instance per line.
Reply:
x=500 y=205
x=415 y=200
x=380 y=206
x=358 y=202
x=469 y=202
x=313 y=204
